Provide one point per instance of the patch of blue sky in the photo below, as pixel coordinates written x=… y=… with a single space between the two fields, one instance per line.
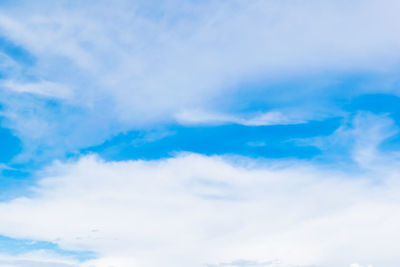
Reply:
x=274 y=141
x=13 y=246
x=16 y=61
x=16 y=180
x=381 y=104
x=6 y=3
x=16 y=52
x=320 y=94
x=377 y=103
x=262 y=141
x=12 y=188
x=13 y=177
x=10 y=145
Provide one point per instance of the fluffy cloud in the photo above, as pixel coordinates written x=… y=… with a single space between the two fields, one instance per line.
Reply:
x=194 y=210
x=138 y=63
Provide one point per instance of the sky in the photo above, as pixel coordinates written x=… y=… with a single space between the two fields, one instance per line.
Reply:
x=258 y=133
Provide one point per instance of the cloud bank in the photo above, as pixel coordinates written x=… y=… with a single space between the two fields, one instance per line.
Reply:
x=196 y=210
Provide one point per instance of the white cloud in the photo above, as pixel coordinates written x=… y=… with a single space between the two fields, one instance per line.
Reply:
x=358 y=138
x=358 y=265
x=5 y=167
x=142 y=63
x=42 y=88
x=129 y=65
x=195 y=210
x=36 y=259
x=194 y=117
x=245 y=263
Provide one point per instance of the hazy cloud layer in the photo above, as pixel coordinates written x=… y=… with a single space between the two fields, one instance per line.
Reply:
x=114 y=65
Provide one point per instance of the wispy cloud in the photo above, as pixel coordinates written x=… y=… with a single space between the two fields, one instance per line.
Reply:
x=263 y=119
x=5 y=167
x=144 y=63
x=42 y=88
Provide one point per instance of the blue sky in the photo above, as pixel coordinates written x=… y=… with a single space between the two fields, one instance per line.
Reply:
x=199 y=133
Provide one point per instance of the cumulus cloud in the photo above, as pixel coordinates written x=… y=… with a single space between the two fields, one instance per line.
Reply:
x=145 y=62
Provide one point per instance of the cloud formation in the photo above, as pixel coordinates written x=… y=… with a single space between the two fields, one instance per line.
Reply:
x=195 y=210
x=142 y=63
x=195 y=117
x=74 y=73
